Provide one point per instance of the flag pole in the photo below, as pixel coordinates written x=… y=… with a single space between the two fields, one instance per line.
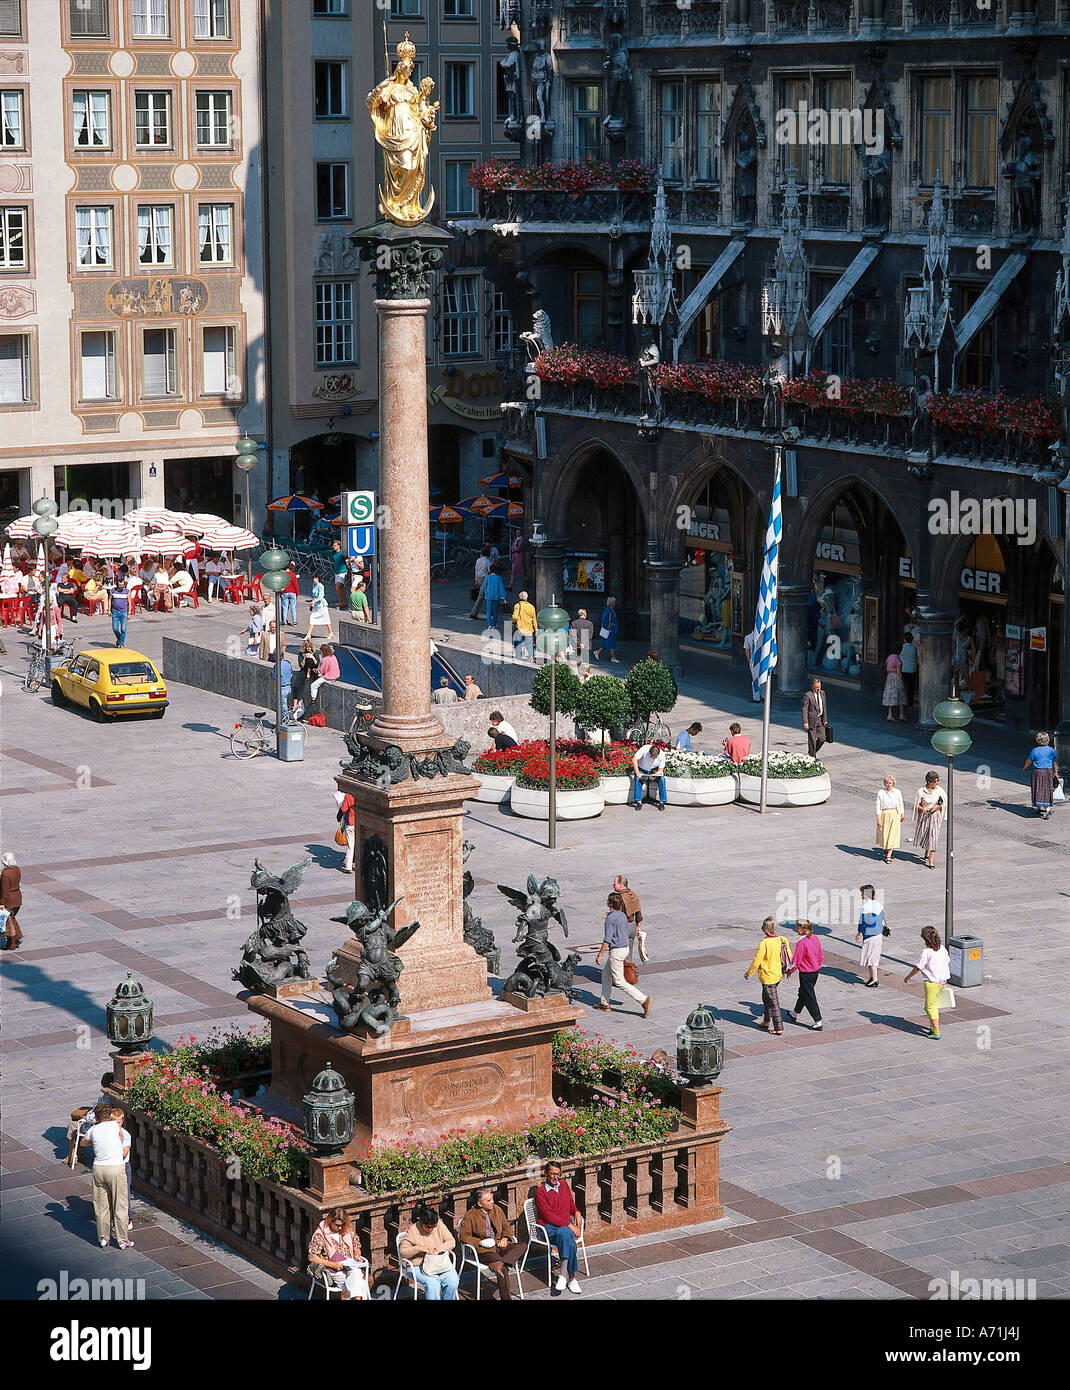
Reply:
x=765 y=739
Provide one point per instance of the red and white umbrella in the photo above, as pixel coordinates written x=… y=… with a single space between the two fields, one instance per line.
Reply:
x=158 y=544
x=7 y=569
x=223 y=536
x=117 y=538
x=194 y=523
x=22 y=529
x=163 y=517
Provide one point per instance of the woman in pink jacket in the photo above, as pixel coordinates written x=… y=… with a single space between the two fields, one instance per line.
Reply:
x=807 y=960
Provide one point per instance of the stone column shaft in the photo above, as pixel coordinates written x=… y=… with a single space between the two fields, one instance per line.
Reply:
x=934 y=664
x=405 y=535
x=790 y=674
x=665 y=611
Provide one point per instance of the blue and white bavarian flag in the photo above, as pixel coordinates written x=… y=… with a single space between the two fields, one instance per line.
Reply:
x=761 y=644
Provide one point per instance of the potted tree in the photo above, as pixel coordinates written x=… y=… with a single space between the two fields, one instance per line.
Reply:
x=651 y=690
x=795 y=779
x=602 y=704
x=696 y=779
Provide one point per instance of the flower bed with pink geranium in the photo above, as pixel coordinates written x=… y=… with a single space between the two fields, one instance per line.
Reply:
x=569 y=365
x=563 y=176
x=976 y=412
x=851 y=395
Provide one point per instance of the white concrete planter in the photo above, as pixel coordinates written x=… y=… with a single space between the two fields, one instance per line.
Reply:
x=700 y=791
x=617 y=790
x=571 y=805
x=786 y=791
x=492 y=787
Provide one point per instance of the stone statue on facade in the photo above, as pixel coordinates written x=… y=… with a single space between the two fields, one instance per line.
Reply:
x=374 y=872
x=542 y=75
x=404 y=118
x=746 y=179
x=539 y=337
x=1024 y=172
x=510 y=70
x=618 y=88
x=480 y=938
x=373 y=999
x=876 y=188
x=273 y=953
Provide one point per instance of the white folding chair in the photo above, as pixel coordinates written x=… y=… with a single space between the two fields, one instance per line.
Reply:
x=539 y=1236
x=470 y=1260
x=406 y=1270
x=320 y=1278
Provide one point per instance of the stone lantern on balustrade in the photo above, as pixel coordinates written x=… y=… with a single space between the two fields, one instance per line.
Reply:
x=130 y=1025
x=700 y=1047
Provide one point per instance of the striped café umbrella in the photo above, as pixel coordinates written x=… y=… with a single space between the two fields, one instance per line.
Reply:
x=227 y=537
x=506 y=480
x=163 y=517
x=295 y=502
x=113 y=541
x=7 y=569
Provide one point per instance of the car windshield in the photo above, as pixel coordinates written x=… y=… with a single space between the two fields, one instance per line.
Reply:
x=133 y=673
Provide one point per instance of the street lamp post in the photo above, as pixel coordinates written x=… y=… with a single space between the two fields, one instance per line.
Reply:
x=246 y=461
x=45 y=526
x=951 y=739
x=274 y=563
x=552 y=641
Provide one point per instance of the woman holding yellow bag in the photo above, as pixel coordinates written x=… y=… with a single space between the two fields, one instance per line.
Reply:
x=934 y=963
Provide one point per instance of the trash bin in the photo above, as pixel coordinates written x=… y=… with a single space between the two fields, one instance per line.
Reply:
x=967 y=961
x=292 y=743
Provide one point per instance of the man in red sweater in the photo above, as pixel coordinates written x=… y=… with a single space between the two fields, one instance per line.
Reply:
x=556 y=1209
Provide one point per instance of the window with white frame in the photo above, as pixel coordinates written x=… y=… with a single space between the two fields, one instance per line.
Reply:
x=152 y=118
x=460 y=89
x=93 y=234
x=12 y=127
x=97 y=357
x=460 y=315
x=329 y=9
x=89 y=19
x=16 y=381
x=215 y=233
x=91 y=119
x=671 y=129
x=586 y=120
x=11 y=19
x=211 y=19
x=334 y=323
x=14 y=254
x=213 y=118
x=503 y=333
x=159 y=362
x=332 y=191
x=219 y=372
x=150 y=19
x=332 y=89
x=155 y=234
x=707 y=131
x=460 y=195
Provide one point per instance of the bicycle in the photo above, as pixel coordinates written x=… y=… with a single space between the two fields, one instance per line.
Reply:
x=35 y=674
x=655 y=730
x=253 y=735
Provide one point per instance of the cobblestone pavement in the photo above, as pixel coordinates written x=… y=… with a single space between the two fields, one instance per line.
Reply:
x=863 y=1161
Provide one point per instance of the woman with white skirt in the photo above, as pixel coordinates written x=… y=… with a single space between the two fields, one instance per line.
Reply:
x=334 y=1257
x=872 y=926
x=890 y=816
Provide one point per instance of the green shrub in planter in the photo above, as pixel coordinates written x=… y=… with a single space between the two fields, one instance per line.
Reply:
x=602 y=704
x=650 y=688
x=567 y=689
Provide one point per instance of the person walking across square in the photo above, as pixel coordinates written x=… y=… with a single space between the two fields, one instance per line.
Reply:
x=872 y=927
x=815 y=717
x=614 y=948
x=934 y=963
x=608 y=628
x=808 y=960
x=493 y=595
x=770 y=961
x=525 y=628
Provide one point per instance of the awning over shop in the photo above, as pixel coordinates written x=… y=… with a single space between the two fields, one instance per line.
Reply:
x=988 y=301
x=837 y=295
x=700 y=295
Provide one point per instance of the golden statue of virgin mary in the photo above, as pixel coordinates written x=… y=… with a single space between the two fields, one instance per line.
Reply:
x=404 y=117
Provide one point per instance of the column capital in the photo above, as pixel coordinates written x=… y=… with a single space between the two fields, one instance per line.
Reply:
x=403 y=257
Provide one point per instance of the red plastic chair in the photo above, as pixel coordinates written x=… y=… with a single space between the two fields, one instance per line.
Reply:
x=189 y=595
x=90 y=604
x=135 y=599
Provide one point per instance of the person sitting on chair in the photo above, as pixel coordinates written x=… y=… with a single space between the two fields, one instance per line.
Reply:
x=555 y=1208
x=333 y=1255
x=486 y=1228
x=427 y=1244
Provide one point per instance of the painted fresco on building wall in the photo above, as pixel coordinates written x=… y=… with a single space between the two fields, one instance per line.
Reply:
x=585 y=573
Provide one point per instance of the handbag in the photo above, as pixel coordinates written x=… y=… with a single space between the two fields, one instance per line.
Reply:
x=436 y=1263
x=946 y=998
x=603 y=632
x=340 y=838
x=631 y=972
x=830 y=737
x=1058 y=794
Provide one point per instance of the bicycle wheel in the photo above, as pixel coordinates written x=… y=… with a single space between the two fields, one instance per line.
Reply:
x=35 y=677
x=661 y=733
x=241 y=744
x=264 y=739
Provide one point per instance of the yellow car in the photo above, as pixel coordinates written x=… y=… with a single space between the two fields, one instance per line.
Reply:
x=110 y=681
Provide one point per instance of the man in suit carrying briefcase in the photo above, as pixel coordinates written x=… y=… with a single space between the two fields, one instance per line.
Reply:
x=815 y=717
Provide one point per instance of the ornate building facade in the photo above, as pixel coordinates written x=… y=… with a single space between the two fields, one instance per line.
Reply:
x=831 y=233
x=131 y=252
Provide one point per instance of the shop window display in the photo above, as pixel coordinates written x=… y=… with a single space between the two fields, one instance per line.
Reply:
x=834 y=623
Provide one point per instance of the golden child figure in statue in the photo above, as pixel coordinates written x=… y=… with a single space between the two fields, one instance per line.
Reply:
x=404 y=117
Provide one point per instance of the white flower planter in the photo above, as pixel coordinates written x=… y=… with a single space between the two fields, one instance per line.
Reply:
x=617 y=790
x=700 y=791
x=571 y=805
x=492 y=787
x=786 y=791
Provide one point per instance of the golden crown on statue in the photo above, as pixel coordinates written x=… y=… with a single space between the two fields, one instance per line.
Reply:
x=407 y=49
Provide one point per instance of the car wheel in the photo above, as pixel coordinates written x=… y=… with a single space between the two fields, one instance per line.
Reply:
x=96 y=709
x=58 y=697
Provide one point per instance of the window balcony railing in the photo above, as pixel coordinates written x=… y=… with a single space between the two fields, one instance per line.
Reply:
x=791 y=16
x=827 y=209
x=833 y=15
x=667 y=19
